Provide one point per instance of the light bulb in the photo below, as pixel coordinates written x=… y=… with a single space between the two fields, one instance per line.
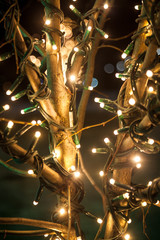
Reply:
x=126 y=195
x=90 y=88
x=138 y=165
x=150 y=141
x=22 y=111
x=8 y=92
x=136 y=7
x=77 y=174
x=99 y=220
x=129 y=221
x=76 y=49
x=73 y=168
x=6 y=107
x=72 y=78
x=46 y=235
x=96 y=99
x=132 y=101
x=78 y=146
x=101 y=173
x=94 y=150
x=119 y=112
x=112 y=181
x=106 y=140
x=123 y=78
x=124 y=55
x=71 y=7
x=39 y=122
x=30 y=172
x=149 y=73
x=117 y=75
x=137 y=159
x=150 y=89
x=106 y=36
x=115 y=132
x=37 y=134
x=54 y=47
x=149 y=183
x=101 y=105
x=13 y=98
x=48 y=21
x=33 y=122
x=127 y=236
x=10 y=124
x=157 y=202
x=89 y=28
x=105 y=6
x=35 y=203
x=144 y=204
x=62 y=211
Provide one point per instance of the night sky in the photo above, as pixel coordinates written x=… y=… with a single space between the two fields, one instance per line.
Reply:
x=17 y=193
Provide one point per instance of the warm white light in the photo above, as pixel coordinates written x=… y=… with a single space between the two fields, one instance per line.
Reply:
x=124 y=55
x=126 y=195
x=138 y=165
x=78 y=146
x=101 y=173
x=30 y=172
x=101 y=105
x=115 y=132
x=54 y=47
x=22 y=111
x=112 y=181
x=149 y=183
x=89 y=28
x=129 y=221
x=39 y=122
x=8 y=92
x=96 y=99
x=130 y=92
x=150 y=89
x=136 y=7
x=127 y=236
x=33 y=122
x=35 y=203
x=90 y=88
x=57 y=153
x=13 y=98
x=10 y=124
x=137 y=159
x=33 y=59
x=144 y=204
x=119 y=112
x=149 y=73
x=6 y=107
x=150 y=141
x=79 y=238
x=48 y=22
x=71 y=7
x=72 y=78
x=99 y=220
x=157 y=202
x=94 y=150
x=76 y=49
x=77 y=174
x=117 y=75
x=73 y=168
x=62 y=211
x=106 y=140
x=106 y=36
x=105 y=6
x=37 y=134
x=43 y=40
x=46 y=235
x=123 y=78
x=132 y=101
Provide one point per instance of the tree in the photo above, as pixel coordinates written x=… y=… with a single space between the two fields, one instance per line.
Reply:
x=68 y=49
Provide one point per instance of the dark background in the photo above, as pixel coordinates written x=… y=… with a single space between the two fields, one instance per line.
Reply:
x=17 y=193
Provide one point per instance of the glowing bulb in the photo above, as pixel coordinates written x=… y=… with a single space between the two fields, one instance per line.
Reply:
x=112 y=181
x=78 y=146
x=54 y=47
x=144 y=204
x=71 y=7
x=99 y=220
x=48 y=22
x=22 y=111
x=37 y=134
x=8 y=92
x=101 y=105
x=94 y=150
x=157 y=202
x=124 y=55
x=101 y=173
x=150 y=89
x=89 y=28
x=79 y=238
x=130 y=92
x=106 y=36
x=6 y=107
x=138 y=165
x=126 y=195
x=127 y=236
x=76 y=49
x=46 y=235
x=137 y=159
x=106 y=140
x=33 y=122
x=73 y=168
x=35 y=203
x=62 y=211
x=30 y=172
x=150 y=141
x=123 y=79
x=72 y=78
x=13 y=98
x=119 y=112
x=149 y=73
x=33 y=59
x=10 y=124
x=96 y=99
x=117 y=75
x=129 y=221
x=57 y=153
x=43 y=40
x=39 y=122
x=90 y=88
x=149 y=183
x=136 y=7
x=115 y=132
x=105 y=6
x=77 y=174
x=132 y=101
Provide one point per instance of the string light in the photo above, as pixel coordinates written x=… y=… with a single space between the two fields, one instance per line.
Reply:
x=149 y=183
x=137 y=7
x=77 y=174
x=10 y=124
x=72 y=78
x=149 y=73
x=62 y=211
x=99 y=220
x=101 y=173
x=126 y=195
x=115 y=132
x=46 y=235
x=127 y=236
x=8 y=92
x=35 y=203
x=112 y=181
x=73 y=168
x=150 y=141
x=30 y=172
x=119 y=112
x=33 y=122
x=124 y=55
x=132 y=101
x=138 y=165
x=47 y=21
x=76 y=49
x=106 y=140
x=129 y=221
x=150 y=89
x=6 y=107
x=144 y=204
x=106 y=6
x=137 y=159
